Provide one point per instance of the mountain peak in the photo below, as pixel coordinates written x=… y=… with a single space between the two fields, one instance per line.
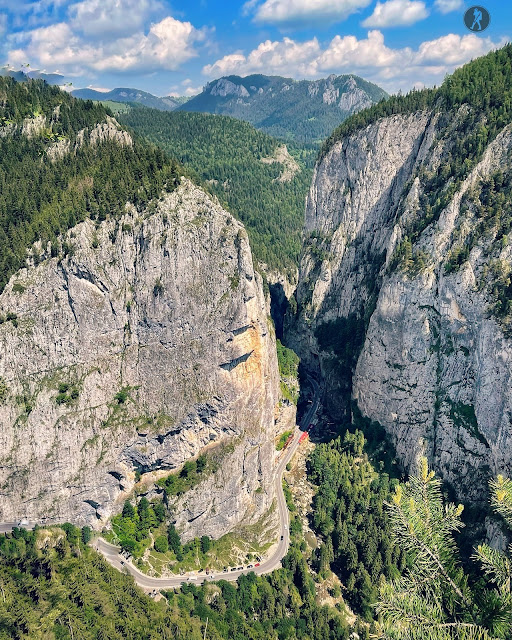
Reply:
x=300 y=110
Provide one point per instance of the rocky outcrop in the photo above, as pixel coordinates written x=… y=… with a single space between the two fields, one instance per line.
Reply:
x=413 y=343
x=289 y=165
x=110 y=131
x=147 y=343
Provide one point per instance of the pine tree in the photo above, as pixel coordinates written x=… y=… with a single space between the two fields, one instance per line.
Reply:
x=434 y=599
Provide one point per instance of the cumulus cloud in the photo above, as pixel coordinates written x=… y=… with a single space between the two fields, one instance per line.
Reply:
x=394 y=13
x=280 y=57
x=110 y=17
x=445 y=6
x=304 y=11
x=369 y=57
x=167 y=45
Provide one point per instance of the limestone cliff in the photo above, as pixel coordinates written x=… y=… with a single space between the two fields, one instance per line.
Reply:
x=142 y=342
x=403 y=290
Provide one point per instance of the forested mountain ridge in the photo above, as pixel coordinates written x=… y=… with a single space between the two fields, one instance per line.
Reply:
x=130 y=95
x=249 y=171
x=304 y=111
x=69 y=161
x=404 y=287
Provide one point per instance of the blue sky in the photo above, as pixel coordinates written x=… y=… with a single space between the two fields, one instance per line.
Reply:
x=176 y=47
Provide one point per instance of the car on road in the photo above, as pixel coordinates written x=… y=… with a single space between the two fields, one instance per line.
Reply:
x=282 y=537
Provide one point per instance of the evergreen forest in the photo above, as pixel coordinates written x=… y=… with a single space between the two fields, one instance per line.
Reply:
x=226 y=156
x=41 y=197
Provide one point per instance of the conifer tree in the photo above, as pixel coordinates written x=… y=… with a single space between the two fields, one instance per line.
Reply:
x=435 y=599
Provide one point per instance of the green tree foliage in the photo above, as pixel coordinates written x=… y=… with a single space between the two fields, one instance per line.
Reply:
x=192 y=472
x=348 y=512
x=174 y=539
x=40 y=198
x=161 y=545
x=133 y=525
x=128 y=510
x=287 y=359
x=435 y=599
x=52 y=587
x=226 y=154
x=205 y=544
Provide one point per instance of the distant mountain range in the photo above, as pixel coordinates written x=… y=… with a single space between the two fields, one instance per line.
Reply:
x=21 y=76
x=301 y=111
x=304 y=111
x=131 y=95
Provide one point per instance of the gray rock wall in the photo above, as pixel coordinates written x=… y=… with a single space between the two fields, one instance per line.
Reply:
x=433 y=365
x=157 y=324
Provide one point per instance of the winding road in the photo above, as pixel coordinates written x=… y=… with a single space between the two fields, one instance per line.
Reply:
x=112 y=555
x=112 y=552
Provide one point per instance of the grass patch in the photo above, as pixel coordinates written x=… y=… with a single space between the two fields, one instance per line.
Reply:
x=282 y=440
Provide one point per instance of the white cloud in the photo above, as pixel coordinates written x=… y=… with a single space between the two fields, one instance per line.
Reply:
x=369 y=57
x=110 y=17
x=445 y=6
x=304 y=11
x=394 y=13
x=283 y=58
x=167 y=45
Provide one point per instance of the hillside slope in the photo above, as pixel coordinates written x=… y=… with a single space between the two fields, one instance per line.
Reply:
x=303 y=111
x=404 y=287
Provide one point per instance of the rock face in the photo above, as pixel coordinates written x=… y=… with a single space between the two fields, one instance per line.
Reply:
x=145 y=344
x=413 y=345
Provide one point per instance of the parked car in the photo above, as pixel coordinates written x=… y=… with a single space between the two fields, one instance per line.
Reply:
x=257 y=564
x=233 y=569
x=225 y=570
x=249 y=566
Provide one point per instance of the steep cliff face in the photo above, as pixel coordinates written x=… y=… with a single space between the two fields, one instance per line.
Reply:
x=349 y=222
x=404 y=287
x=145 y=341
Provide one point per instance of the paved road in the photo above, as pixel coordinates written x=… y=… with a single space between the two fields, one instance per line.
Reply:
x=7 y=527
x=112 y=555
x=111 y=552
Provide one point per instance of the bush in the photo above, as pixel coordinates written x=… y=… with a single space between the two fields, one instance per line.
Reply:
x=128 y=510
x=86 y=534
x=205 y=544
x=121 y=396
x=161 y=545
